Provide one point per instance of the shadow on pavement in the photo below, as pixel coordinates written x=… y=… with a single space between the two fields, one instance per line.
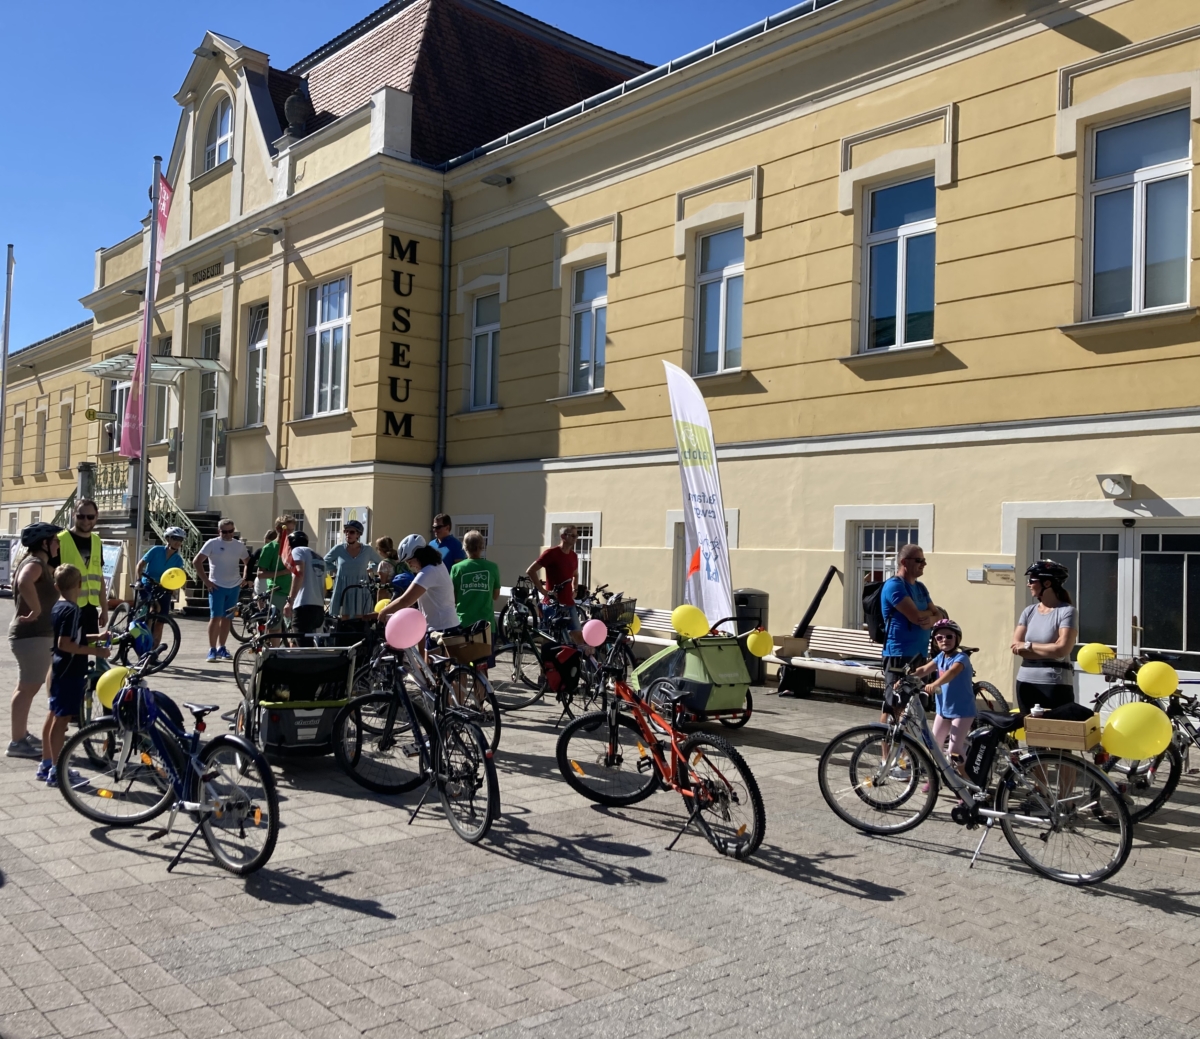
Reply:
x=287 y=886
x=809 y=870
x=577 y=857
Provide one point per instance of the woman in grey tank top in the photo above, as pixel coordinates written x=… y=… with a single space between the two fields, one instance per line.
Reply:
x=1045 y=636
x=31 y=634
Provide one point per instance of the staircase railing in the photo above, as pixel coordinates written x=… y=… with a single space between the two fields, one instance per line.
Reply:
x=162 y=511
x=66 y=512
x=111 y=489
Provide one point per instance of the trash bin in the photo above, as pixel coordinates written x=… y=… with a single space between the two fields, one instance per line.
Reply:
x=750 y=608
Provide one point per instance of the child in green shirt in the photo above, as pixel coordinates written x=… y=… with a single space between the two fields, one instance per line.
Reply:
x=476 y=587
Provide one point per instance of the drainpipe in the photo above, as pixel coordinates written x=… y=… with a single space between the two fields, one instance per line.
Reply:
x=439 y=462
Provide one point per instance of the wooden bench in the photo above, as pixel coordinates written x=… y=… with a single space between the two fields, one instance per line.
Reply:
x=842 y=651
x=658 y=622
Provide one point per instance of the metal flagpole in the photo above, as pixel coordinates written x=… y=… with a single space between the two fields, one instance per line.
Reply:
x=147 y=327
x=4 y=354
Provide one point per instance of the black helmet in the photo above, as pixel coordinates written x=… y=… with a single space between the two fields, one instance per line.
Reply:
x=36 y=533
x=946 y=624
x=1047 y=570
x=298 y=539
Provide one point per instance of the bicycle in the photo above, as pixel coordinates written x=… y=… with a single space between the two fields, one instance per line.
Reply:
x=621 y=755
x=150 y=763
x=389 y=743
x=516 y=629
x=1056 y=810
x=125 y=621
x=247 y=617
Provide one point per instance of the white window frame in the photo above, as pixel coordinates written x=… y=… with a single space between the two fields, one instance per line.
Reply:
x=310 y=397
x=14 y=522
x=593 y=305
x=256 y=362
x=492 y=331
x=1138 y=180
x=18 y=445
x=900 y=236
x=160 y=398
x=65 y=422
x=217 y=142
x=885 y=560
x=734 y=270
x=331 y=529
x=555 y=521
x=35 y=516
x=40 y=422
x=118 y=401
x=485 y=524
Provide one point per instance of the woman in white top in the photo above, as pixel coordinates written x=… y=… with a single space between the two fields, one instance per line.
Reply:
x=431 y=591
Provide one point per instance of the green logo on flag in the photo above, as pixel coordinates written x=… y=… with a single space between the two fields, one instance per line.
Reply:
x=695 y=444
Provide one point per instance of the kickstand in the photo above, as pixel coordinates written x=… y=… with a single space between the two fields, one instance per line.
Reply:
x=179 y=854
x=690 y=819
x=566 y=712
x=428 y=787
x=979 y=847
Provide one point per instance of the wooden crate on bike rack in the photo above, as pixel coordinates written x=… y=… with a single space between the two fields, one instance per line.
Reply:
x=1058 y=734
x=469 y=646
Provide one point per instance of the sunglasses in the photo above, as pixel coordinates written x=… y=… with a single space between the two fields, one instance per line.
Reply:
x=85 y=515
x=918 y=562
x=944 y=635
x=227 y=530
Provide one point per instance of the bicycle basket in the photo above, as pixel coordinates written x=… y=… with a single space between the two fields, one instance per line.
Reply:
x=469 y=645
x=1119 y=669
x=616 y=613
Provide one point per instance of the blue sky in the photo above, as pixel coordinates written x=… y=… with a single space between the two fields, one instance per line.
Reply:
x=89 y=90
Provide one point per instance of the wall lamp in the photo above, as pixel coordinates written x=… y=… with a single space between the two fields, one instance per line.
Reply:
x=497 y=180
x=133 y=292
x=1116 y=486
x=267 y=230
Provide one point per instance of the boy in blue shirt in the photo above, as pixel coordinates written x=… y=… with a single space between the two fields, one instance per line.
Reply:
x=953 y=689
x=68 y=672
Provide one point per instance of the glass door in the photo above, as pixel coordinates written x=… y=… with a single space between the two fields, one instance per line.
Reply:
x=208 y=438
x=1166 y=606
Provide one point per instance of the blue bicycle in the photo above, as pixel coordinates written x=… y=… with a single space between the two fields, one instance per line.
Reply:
x=131 y=766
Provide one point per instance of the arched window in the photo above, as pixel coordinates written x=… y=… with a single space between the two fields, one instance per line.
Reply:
x=220 y=135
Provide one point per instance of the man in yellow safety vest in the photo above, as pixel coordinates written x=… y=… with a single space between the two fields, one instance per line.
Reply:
x=81 y=547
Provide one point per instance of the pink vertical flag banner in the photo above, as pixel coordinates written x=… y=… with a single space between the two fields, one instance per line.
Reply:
x=132 y=433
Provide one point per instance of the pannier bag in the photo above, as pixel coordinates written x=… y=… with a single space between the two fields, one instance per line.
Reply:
x=711 y=670
x=561 y=666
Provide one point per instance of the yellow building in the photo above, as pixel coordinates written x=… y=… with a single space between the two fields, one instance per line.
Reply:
x=930 y=263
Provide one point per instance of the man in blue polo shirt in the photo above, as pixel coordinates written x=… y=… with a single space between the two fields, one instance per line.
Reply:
x=908 y=613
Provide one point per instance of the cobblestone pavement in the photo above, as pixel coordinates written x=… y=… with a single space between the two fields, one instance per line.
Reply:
x=573 y=921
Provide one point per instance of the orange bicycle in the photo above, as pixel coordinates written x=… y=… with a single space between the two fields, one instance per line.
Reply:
x=619 y=759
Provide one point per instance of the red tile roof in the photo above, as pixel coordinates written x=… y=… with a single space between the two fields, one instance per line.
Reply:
x=476 y=70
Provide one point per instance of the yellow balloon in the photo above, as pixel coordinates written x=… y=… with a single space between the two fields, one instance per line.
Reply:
x=329 y=582
x=1136 y=731
x=1093 y=655
x=1157 y=679
x=109 y=684
x=760 y=643
x=174 y=579
x=635 y=625
x=381 y=604
x=689 y=621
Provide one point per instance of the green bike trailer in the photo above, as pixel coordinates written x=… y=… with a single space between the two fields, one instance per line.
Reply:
x=710 y=670
x=297 y=694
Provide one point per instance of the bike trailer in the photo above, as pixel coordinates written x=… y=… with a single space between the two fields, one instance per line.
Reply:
x=710 y=669
x=297 y=694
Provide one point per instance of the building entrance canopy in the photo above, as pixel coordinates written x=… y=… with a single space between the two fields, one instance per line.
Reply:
x=162 y=369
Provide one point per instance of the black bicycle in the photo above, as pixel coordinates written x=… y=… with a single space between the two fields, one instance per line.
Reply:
x=142 y=635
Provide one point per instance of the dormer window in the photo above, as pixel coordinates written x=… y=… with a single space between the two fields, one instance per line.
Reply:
x=220 y=135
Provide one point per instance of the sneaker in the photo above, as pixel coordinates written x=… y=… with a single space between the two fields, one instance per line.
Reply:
x=26 y=747
x=223 y=654
x=77 y=781
x=212 y=656
x=44 y=770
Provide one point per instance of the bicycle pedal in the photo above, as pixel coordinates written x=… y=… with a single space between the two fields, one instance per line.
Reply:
x=410 y=750
x=645 y=765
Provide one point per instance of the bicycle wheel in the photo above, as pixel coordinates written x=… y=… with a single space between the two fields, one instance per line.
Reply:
x=1118 y=696
x=522 y=687
x=373 y=742
x=466 y=778
x=989 y=698
x=245 y=724
x=605 y=763
x=738 y=722
x=1146 y=785
x=245 y=663
x=593 y=686
x=474 y=694
x=169 y=636
x=238 y=804
x=1065 y=818
x=719 y=786
x=875 y=782
x=129 y=784
x=118 y=619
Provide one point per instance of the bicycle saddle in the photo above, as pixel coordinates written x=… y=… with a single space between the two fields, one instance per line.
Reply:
x=1003 y=722
x=666 y=689
x=199 y=710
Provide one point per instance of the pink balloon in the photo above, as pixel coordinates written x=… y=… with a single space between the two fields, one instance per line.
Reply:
x=595 y=632
x=405 y=629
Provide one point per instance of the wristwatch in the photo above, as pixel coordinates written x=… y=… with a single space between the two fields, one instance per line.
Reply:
x=1028 y=644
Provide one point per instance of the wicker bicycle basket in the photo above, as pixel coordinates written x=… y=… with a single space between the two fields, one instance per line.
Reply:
x=1119 y=669
x=615 y=614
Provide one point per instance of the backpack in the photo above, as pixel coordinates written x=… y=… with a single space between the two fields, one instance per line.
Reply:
x=872 y=603
x=561 y=666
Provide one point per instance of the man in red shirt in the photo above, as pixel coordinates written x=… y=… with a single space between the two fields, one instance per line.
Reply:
x=561 y=565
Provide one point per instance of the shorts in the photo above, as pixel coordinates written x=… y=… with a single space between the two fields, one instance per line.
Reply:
x=33 y=658
x=66 y=695
x=221 y=601
x=89 y=619
x=1029 y=694
x=893 y=669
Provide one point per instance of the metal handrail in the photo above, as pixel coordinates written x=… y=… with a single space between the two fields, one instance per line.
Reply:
x=162 y=511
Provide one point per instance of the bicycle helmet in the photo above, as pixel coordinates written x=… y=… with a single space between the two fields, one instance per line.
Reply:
x=408 y=547
x=1047 y=570
x=946 y=624
x=298 y=539
x=175 y=532
x=36 y=533
x=353 y=524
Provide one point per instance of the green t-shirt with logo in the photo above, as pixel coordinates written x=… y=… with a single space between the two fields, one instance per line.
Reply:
x=268 y=559
x=474 y=582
